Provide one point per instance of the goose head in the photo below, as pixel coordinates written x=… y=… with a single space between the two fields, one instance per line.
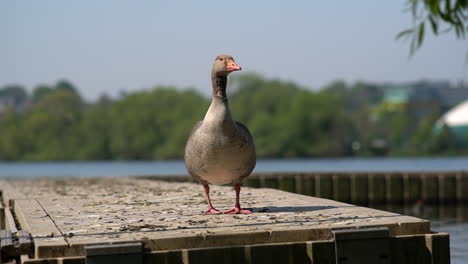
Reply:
x=223 y=65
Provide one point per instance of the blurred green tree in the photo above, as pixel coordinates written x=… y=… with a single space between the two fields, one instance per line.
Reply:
x=285 y=119
x=39 y=92
x=51 y=127
x=94 y=131
x=442 y=142
x=155 y=124
x=290 y=121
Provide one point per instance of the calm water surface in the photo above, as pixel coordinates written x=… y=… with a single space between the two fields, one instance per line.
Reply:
x=138 y=168
x=451 y=219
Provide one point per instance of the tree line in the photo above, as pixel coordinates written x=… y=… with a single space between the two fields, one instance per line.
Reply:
x=285 y=119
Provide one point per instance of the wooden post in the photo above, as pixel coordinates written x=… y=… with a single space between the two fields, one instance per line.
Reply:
x=377 y=193
x=359 y=189
x=253 y=181
x=394 y=184
x=287 y=183
x=462 y=187
x=447 y=187
x=412 y=187
x=269 y=181
x=323 y=185
x=309 y=184
x=341 y=187
x=429 y=188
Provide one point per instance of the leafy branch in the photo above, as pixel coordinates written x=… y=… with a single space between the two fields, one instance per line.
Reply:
x=441 y=16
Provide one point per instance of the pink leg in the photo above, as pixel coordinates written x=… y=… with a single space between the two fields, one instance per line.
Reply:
x=211 y=209
x=237 y=208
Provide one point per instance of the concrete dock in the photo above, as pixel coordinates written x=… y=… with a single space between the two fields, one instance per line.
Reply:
x=111 y=220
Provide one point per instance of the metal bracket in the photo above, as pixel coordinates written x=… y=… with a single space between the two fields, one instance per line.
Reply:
x=114 y=254
x=371 y=245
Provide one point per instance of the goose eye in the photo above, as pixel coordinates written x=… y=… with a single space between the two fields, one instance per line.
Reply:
x=221 y=59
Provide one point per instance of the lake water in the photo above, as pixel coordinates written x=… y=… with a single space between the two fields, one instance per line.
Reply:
x=449 y=219
x=139 y=168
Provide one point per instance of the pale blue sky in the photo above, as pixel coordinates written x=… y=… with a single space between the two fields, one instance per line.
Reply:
x=107 y=46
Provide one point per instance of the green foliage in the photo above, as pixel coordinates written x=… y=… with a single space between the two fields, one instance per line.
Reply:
x=453 y=15
x=424 y=132
x=442 y=142
x=94 y=132
x=290 y=121
x=39 y=92
x=12 y=144
x=51 y=127
x=155 y=124
x=286 y=120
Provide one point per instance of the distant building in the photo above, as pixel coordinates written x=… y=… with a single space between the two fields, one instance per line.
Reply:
x=7 y=103
x=10 y=103
x=452 y=96
x=446 y=94
x=457 y=120
x=397 y=95
x=12 y=98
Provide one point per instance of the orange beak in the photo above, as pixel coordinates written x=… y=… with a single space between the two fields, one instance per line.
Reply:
x=232 y=66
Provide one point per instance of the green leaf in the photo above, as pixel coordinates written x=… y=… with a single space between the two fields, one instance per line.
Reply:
x=404 y=33
x=434 y=25
x=420 y=34
x=434 y=5
x=414 y=7
x=458 y=32
x=447 y=7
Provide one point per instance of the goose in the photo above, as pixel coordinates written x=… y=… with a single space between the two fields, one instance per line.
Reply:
x=220 y=150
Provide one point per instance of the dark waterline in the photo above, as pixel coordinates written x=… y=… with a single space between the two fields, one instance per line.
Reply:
x=176 y=167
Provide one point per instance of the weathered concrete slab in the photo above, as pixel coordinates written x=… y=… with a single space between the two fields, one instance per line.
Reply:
x=167 y=216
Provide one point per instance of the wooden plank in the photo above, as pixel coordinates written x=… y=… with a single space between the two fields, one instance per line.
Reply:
x=33 y=219
x=10 y=221
x=167 y=216
x=10 y=194
x=2 y=216
x=3 y=183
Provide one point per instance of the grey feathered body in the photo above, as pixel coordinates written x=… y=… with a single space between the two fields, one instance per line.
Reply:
x=219 y=150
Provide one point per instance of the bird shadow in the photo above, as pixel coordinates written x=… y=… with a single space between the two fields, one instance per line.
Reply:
x=289 y=209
